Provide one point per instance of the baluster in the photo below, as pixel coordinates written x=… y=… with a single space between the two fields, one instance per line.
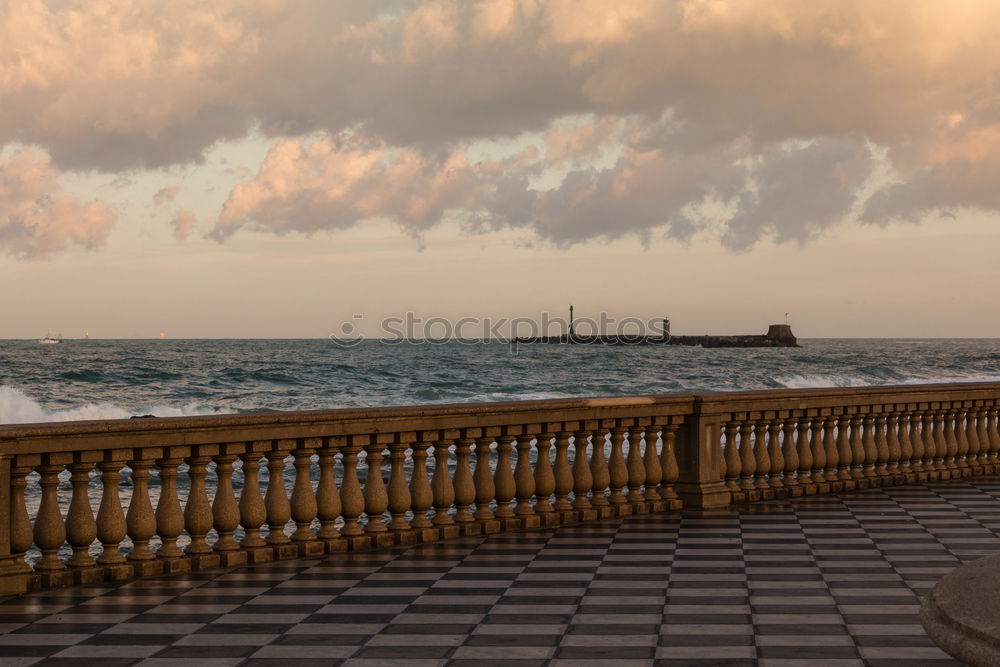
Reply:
x=805 y=454
x=940 y=443
x=327 y=495
x=892 y=442
x=599 y=471
x=789 y=452
x=140 y=519
x=169 y=515
x=748 y=464
x=972 y=436
x=483 y=478
x=636 y=468
x=524 y=478
x=110 y=517
x=845 y=454
x=225 y=512
x=376 y=497
x=982 y=434
x=929 y=441
x=857 y=449
x=81 y=527
x=465 y=488
x=651 y=463
x=762 y=462
x=279 y=510
x=252 y=511
x=994 y=438
x=905 y=444
x=774 y=453
x=917 y=442
x=20 y=523
x=668 y=461
x=198 y=512
x=830 y=447
x=303 y=506
x=503 y=480
x=868 y=440
x=817 y=450
x=352 y=500
x=50 y=531
x=732 y=457
x=617 y=469
x=421 y=495
x=400 y=499
x=443 y=487
x=961 y=438
x=545 y=481
x=582 y=479
x=948 y=420
x=881 y=446
x=563 y=473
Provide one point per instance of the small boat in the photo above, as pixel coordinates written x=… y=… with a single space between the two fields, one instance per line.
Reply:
x=49 y=340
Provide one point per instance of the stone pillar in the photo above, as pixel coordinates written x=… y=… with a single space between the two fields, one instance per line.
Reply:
x=81 y=527
x=732 y=457
x=252 y=510
x=748 y=462
x=617 y=470
x=169 y=517
x=304 y=505
x=13 y=570
x=421 y=494
x=600 y=473
x=699 y=458
x=504 y=485
x=524 y=482
x=444 y=490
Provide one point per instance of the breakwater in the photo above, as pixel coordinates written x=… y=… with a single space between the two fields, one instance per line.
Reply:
x=778 y=335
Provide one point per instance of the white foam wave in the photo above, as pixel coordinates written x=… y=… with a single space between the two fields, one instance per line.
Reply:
x=16 y=407
x=822 y=381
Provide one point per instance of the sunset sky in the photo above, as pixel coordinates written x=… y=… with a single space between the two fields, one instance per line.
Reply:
x=268 y=168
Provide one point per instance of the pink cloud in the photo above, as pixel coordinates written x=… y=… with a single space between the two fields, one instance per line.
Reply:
x=36 y=220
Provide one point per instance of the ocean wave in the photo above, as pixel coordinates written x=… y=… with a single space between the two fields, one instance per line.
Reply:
x=824 y=380
x=16 y=407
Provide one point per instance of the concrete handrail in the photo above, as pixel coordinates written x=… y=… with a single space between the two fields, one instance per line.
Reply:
x=459 y=469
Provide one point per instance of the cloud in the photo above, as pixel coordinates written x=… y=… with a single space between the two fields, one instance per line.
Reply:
x=643 y=114
x=165 y=195
x=35 y=219
x=799 y=191
x=183 y=223
x=332 y=184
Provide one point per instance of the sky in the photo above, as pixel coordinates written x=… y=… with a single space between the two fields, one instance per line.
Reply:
x=275 y=168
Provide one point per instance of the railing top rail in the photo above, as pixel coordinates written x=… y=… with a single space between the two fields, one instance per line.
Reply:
x=835 y=397
x=122 y=433
x=94 y=434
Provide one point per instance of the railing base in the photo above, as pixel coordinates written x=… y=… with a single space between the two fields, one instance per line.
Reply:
x=13 y=582
x=703 y=495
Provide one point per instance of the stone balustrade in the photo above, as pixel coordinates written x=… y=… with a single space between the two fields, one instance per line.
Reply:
x=353 y=480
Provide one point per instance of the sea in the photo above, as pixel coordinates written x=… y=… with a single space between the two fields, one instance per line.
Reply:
x=115 y=379
x=111 y=379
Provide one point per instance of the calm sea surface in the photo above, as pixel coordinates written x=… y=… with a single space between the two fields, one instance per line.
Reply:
x=91 y=379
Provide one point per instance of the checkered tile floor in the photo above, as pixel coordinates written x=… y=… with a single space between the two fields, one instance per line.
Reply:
x=830 y=580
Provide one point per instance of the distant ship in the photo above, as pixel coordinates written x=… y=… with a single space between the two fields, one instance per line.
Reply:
x=49 y=340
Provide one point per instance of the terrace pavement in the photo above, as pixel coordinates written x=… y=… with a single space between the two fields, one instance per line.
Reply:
x=819 y=580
